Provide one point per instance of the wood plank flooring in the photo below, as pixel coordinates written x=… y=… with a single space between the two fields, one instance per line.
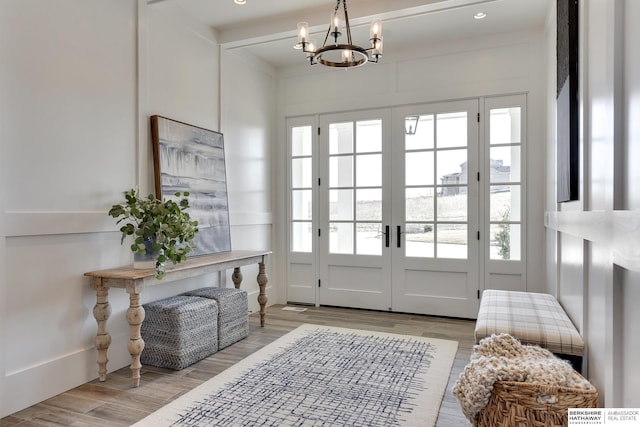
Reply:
x=115 y=403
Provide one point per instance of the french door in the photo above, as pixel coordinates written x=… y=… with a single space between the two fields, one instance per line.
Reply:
x=388 y=211
x=355 y=210
x=436 y=210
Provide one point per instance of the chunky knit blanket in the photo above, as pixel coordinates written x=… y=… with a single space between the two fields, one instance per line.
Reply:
x=503 y=358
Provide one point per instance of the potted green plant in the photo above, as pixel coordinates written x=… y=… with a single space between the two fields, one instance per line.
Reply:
x=162 y=229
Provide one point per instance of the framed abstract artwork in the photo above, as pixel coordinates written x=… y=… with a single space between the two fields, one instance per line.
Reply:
x=190 y=158
x=568 y=123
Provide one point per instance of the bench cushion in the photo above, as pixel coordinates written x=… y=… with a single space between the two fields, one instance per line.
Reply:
x=533 y=318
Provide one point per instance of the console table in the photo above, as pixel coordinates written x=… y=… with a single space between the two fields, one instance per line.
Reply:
x=135 y=280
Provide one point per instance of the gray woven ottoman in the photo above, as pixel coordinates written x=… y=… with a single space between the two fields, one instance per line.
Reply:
x=233 y=312
x=179 y=331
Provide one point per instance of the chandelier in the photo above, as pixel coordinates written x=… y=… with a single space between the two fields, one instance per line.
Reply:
x=334 y=54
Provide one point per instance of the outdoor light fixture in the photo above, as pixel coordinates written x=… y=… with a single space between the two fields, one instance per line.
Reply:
x=335 y=54
x=411 y=125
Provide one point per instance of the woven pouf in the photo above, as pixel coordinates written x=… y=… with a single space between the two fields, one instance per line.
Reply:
x=179 y=331
x=233 y=313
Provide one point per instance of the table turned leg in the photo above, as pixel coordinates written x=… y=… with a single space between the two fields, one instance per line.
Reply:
x=262 y=297
x=101 y=312
x=135 y=317
x=236 y=277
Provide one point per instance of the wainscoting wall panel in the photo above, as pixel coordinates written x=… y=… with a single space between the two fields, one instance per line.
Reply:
x=618 y=231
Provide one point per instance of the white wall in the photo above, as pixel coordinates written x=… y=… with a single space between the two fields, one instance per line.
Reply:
x=593 y=244
x=68 y=124
x=178 y=69
x=499 y=64
x=78 y=81
x=248 y=114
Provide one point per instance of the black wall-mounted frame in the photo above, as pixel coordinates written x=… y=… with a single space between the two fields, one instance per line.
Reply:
x=567 y=97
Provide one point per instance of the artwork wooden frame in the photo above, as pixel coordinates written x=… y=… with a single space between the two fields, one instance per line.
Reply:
x=191 y=158
x=568 y=146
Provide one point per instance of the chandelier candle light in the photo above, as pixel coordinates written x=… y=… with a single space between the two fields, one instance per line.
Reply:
x=336 y=54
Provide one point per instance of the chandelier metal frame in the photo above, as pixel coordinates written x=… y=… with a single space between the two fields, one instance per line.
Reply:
x=340 y=54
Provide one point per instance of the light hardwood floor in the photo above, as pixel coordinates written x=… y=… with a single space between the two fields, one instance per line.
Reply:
x=115 y=403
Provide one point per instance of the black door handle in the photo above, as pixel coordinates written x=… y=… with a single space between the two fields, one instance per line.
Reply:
x=386 y=235
x=398 y=234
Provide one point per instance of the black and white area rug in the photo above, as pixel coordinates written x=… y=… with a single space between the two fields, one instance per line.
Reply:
x=323 y=376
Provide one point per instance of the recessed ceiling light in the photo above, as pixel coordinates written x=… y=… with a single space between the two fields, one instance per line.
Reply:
x=480 y=15
x=240 y=1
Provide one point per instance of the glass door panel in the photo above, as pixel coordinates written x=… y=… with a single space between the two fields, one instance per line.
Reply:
x=303 y=237
x=302 y=204
x=420 y=240
x=369 y=204
x=355 y=187
x=423 y=136
x=504 y=202
x=435 y=186
x=340 y=138
x=341 y=238
x=452 y=241
x=505 y=198
x=452 y=130
x=301 y=141
x=505 y=163
x=341 y=171
x=504 y=193
x=301 y=192
x=419 y=204
x=369 y=136
x=369 y=170
x=452 y=204
x=419 y=168
x=503 y=236
x=368 y=238
x=451 y=166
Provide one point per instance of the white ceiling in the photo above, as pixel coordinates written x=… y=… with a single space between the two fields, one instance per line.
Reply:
x=267 y=28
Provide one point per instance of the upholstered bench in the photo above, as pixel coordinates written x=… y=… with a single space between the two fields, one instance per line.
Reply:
x=179 y=331
x=233 y=312
x=533 y=318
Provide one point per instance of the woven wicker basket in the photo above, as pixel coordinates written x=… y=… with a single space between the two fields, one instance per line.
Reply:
x=520 y=404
